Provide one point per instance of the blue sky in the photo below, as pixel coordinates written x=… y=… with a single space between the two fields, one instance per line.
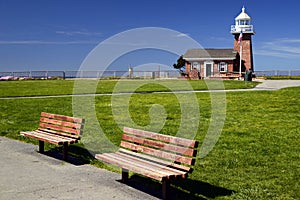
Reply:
x=59 y=34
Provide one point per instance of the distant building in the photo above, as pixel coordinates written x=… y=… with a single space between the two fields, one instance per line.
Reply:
x=224 y=63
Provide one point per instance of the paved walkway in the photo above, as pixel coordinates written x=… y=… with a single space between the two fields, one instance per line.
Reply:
x=26 y=174
x=276 y=84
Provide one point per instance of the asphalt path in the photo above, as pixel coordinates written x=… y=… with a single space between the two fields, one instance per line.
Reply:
x=276 y=84
x=26 y=174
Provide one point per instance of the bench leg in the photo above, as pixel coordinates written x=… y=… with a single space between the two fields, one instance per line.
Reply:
x=165 y=188
x=124 y=175
x=65 y=151
x=41 y=146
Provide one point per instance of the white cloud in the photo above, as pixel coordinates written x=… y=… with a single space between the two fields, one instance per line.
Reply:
x=274 y=54
x=84 y=33
x=284 y=47
x=39 y=42
x=182 y=35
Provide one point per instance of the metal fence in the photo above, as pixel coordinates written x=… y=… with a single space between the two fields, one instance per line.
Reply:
x=278 y=73
x=91 y=74
x=121 y=74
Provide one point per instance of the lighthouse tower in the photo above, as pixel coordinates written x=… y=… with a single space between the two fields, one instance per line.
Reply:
x=243 y=31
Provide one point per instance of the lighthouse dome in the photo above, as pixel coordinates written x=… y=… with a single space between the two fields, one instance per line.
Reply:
x=243 y=15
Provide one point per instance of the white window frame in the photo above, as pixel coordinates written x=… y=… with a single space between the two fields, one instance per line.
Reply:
x=196 y=65
x=224 y=65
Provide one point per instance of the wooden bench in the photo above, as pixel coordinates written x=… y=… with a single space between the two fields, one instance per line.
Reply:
x=157 y=156
x=57 y=129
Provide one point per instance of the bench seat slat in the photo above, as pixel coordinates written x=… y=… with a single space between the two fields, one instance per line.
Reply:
x=153 y=165
x=48 y=137
x=157 y=160
x=59 y=137
x=157 y=153
x=34 y=135
x=142 y=165
x=160 y=145
x=60 y=133
x=128 y=166
x=137 y=167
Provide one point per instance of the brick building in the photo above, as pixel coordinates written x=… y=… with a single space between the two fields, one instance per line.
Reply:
x=224 y=63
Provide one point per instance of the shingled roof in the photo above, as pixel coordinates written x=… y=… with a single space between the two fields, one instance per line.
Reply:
x=210 y=54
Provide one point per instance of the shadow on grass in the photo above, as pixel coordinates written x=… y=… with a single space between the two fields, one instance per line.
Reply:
x=180 y=189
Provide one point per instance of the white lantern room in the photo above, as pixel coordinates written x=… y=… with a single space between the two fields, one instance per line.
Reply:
x=242 y=23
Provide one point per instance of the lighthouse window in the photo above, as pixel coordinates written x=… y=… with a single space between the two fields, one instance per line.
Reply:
x=244 y=22
x=223 y=67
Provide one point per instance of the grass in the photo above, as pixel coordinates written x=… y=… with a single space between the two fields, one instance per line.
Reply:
x=256 y=157
x=282 y=77
x=65 y=87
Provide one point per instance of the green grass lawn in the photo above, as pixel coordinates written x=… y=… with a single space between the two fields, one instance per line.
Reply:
x=256 y=157
x=282 y=77
x=64 y=87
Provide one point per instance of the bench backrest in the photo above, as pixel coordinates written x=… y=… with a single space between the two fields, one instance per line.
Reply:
x=61 y=125
x=178 y=152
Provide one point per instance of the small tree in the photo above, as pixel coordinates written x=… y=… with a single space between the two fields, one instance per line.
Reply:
x=180 y=65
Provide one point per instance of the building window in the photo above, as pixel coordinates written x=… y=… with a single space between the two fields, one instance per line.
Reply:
x=196 y=65
x=243 y=22
x=223 y=67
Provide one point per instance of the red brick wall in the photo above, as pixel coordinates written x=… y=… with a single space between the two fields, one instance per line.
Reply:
x=187 y=67
x=247 y=55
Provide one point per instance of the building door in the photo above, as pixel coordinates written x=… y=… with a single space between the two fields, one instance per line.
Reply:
x=208 y=69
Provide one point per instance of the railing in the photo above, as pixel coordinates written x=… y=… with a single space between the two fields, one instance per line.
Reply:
x=120 y=74
x=243 y=28
x=89 y=74
x=278 y=73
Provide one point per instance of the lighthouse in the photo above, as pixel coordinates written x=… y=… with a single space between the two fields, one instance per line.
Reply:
x=243 y=31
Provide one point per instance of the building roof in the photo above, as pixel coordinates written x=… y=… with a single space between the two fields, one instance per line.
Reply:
x=243 y=15
x=210 y=54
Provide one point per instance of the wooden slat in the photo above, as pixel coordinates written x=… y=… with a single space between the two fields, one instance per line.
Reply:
x=160 y=145
x=157 y=160
x=157 y=153
x=60 y=137
x=161 y=137
x=62 y=117
x=153 y=165
x=45 y=136
x=60 y=128
x=163 y=171
x=77 y=137
x=114 y=159
x=60 y=123
x=39 y=137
